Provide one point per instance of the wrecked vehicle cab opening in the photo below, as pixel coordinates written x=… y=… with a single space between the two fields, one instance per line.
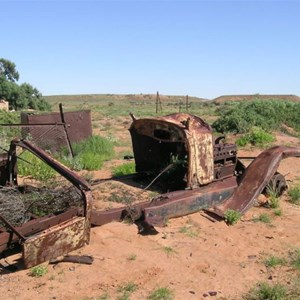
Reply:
x=180 y=140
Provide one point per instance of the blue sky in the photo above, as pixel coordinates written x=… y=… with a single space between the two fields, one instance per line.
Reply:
x=199 y=48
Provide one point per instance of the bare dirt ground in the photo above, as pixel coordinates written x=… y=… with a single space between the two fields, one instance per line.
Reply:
x=192 y=256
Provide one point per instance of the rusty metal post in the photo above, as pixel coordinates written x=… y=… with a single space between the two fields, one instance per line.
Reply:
x=65 y=129
x=158 y=103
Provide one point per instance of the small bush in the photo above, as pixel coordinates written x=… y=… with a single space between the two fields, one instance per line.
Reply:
x=256 y=137
x=34 y=167
x=38 y=271
x=132 y=257
x=189 y=231
x=278 y=212
x=274 y=261
x=240 y=117
x=232 y=216
x=265 y=291
x=169 y=250
x=264 y=218
x=125 y=169
x=89 y=154
x=295 y=259
x=161 y=294
x=294 y=194
x=126 y=290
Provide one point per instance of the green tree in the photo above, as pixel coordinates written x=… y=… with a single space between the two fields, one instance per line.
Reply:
x=19 y=96
x=8 y=70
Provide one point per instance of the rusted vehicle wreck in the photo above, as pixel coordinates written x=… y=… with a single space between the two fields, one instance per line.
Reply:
x=209 y=174
x=206 y=174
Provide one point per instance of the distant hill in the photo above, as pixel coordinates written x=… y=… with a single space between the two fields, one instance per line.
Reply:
x=118 y=97
x=225 y=98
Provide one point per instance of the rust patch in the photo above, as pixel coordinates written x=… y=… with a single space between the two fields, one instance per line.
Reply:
x=54 y=242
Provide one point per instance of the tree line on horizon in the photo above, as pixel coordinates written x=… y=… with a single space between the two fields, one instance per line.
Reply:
x=19 y=96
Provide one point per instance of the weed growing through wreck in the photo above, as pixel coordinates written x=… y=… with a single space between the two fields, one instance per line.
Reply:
x=273 y=199
x=232 y=216
x=38 y=271
x=162 y=293
x=125 y=169
x=294 y=194
x=266 y=291
x=34 y=167
x=121 y=198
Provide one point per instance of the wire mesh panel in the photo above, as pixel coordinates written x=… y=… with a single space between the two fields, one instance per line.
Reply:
x=49 y=137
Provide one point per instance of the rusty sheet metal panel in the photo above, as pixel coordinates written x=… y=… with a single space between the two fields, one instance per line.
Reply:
x=256 y=177
x=201 y=158
x=80 y=126
x=54 y=242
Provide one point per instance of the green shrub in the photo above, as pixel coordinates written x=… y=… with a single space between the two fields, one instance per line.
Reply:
x=126 y=290
x=256 y=137
x=125 y=169
x=295 y=259
x=34 y=167
x=232 y=216
x=264 y=218
x=294 y=194
x=189 y=231
x=273 y=198
x=278 y=212
x=161 y=294
x=38 y=271
x=240 y=117
x=274 y=261
x=266 y=291
x=89 y=154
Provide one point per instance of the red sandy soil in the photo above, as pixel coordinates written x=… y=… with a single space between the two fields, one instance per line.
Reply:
x=191 y=256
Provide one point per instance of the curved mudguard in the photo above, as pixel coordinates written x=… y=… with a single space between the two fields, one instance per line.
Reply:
x=256 y=177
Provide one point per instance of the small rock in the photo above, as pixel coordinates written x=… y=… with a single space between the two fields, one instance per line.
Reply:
x=205 y=295
x=270 y=277
x=191 y=254
x=212 y=293
x=192 y=292
x=251 y=256
x=72 y=269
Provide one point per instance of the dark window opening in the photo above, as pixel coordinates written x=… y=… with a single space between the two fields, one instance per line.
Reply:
x=162 y=134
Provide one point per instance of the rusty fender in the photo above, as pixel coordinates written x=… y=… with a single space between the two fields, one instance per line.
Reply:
x=255 y=179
